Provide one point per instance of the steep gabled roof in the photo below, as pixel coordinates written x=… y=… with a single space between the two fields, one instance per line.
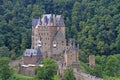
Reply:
x=34 y=22
x=59 y=36
x=37 y=48
x=73 y=48
x=59 y=20
x=49 y=20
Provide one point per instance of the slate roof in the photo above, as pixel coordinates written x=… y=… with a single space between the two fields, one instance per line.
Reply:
x=59 y=36
x=73 y=47
x=39 y=21
x=34 y=52
x=34 y=22
x=47 y=19
x=29 y=52
x=37 y=48
x=59 y=20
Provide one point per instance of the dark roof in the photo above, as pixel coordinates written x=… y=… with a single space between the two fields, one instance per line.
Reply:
x=59 y=21
x=34 y=52
x=48 y=20
x=34 y=22
x=51 y=19
x=73 y=47
x=37 y=48
x=39 y=21
x=29 y=52
x=59 y=36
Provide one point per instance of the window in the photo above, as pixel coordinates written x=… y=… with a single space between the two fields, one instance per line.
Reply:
x=45 y=43
x=62 y=42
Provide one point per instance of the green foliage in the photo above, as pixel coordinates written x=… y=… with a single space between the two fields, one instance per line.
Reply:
x=98 y=32
x=107 y=66
x=5 y=72
x=112 y=66
x=4 y=52
x=68 y=74
x=112 y=78
x=20 y=77
x=94 y=24
x=84 y=67
x=48 y=70
x=56 y=77
x=97 y=71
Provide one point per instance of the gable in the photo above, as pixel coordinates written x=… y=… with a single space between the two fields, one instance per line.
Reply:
x=59 y=36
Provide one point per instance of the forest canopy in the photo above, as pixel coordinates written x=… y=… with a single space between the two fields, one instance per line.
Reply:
x=94 y=24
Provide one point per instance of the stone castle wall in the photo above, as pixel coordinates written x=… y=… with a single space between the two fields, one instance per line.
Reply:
x=31 y=59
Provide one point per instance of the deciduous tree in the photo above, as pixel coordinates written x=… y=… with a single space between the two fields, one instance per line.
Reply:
x=68 y=74
x=48 y=70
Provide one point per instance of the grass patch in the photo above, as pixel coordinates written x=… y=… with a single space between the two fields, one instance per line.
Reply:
x=20 y=76
x=112 y=78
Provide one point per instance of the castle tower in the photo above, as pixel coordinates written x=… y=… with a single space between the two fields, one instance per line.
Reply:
x=47 y=27
x=91 y=61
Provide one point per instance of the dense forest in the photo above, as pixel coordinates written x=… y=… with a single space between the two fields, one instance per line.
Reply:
x=94 y=24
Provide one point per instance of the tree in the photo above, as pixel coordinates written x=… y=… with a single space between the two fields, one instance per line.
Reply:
x=68 y=74
x=118 y=57
x=5 y=72
x=23 y=43
x=76 y=13
x=4 y=51
x=12 y=54
x=97 y=71
x=112 y=66
x=37 y=11
x=48 y=70
x=56 y=77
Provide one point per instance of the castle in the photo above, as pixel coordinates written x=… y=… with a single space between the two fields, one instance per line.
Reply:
x=48 y=40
